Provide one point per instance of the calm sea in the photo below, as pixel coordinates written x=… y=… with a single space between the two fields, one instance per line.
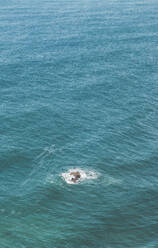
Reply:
x=79 y=90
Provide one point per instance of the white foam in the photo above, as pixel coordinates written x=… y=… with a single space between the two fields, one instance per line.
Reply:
x=85 y=175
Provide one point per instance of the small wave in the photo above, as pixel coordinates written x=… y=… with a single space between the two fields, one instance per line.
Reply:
x=85 y=175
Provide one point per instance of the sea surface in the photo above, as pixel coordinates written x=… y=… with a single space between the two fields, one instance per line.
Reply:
x=79 y=91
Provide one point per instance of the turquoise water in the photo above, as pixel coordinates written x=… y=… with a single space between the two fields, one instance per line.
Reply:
x=78 y=90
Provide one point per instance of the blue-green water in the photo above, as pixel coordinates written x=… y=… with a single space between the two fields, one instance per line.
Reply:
x=78 y=89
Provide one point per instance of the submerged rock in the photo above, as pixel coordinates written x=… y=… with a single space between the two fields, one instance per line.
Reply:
x=76 y=176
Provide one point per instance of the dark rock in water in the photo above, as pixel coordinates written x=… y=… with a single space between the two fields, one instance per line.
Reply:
x=76 y=176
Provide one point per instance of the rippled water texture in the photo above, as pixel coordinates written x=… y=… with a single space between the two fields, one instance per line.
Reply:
x=78 y=90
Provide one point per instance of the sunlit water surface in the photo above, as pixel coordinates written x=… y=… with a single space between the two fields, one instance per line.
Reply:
x=78 y=90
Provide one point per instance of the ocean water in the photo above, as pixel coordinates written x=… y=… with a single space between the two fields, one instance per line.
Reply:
x=79 y=91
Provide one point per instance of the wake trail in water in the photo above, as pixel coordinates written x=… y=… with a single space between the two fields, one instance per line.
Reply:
x=40 y=164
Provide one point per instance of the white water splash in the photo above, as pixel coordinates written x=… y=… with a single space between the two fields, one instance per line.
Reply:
x=85 y=175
